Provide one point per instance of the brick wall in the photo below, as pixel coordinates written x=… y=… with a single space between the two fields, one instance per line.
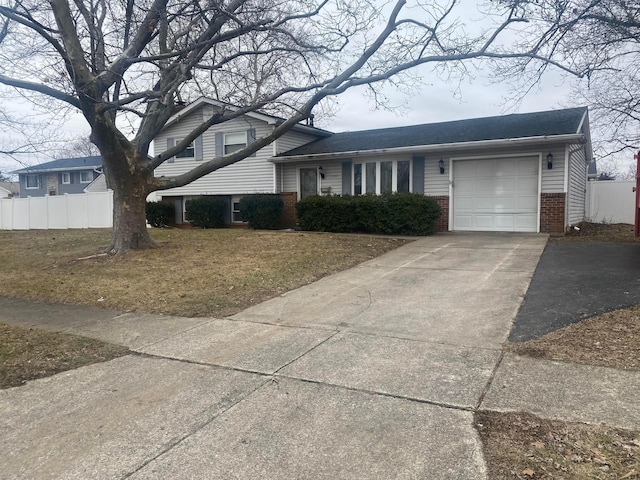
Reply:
x=442 y=224
x=288 y=216
x=552 y=216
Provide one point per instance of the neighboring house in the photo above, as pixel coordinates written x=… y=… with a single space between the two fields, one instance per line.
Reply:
x=523 y=172
x=99 y=184
x=9 y=190
x=65 y=175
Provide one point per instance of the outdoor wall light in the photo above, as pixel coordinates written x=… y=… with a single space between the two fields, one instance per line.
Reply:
x=549 y=160
x=321 y=170
x=441 y=165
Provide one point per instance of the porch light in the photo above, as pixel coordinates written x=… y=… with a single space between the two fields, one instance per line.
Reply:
x=549 y=160
x=441 y=165
x=321 y=170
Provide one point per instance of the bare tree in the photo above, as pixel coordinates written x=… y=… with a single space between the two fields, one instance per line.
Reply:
x=80 y=147
x=595 y=40
x=132 y=59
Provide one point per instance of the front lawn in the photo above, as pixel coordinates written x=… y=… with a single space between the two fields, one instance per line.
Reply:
x=196 y=272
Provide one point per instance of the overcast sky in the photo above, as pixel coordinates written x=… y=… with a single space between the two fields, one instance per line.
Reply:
x=437 y=101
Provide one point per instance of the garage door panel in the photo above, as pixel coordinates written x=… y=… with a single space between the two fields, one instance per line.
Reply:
x=496 y=194
x=506 y=168
x=527 y=204
x=504 y=222
x=504 y=205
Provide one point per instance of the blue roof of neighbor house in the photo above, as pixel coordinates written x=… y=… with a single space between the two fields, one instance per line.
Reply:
x=64 y=164
x=540 y=124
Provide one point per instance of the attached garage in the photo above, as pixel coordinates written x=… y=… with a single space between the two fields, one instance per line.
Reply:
x=496 y=195
x=513 y=173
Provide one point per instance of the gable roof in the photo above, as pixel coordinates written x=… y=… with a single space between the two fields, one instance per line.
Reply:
x=516 y=126
x=64 y=165
x=269 y=119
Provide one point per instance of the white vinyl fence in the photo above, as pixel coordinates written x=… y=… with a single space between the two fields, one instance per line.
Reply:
x=83 y=210
x=611 y=201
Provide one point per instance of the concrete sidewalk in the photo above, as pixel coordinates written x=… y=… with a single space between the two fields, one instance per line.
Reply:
x=370 y=373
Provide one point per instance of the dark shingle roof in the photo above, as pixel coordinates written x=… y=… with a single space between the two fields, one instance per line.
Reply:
x=77 y=163
x=555 y=122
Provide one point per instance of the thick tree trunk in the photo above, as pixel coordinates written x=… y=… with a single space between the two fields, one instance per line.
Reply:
x=129 y=221
x=131 y=182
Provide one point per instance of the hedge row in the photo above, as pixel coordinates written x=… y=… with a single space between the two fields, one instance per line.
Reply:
x=390 y=214
x=261 y=211
x=206 y=212
x=159 y=214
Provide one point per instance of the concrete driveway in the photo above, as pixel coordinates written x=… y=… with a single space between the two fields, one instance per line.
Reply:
x=370 y=373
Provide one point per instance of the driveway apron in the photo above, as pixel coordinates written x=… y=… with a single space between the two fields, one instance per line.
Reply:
x=370 y=373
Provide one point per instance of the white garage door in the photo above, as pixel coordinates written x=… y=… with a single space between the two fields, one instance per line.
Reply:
x=499 y=195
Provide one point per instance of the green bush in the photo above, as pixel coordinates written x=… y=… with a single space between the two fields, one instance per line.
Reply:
x=262 y=211
x=206 y=212
x=159 y=214
x=390 y=214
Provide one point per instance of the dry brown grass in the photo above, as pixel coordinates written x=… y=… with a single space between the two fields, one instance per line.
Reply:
x=195 y=273
x=600 y=232
x=28 y=354
x=523 y=446
x=609 y=340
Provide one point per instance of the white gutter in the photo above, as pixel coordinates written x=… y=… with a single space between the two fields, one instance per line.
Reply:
x=503 y=142
x=30 y=171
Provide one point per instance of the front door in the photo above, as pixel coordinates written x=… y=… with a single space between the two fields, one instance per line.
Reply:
x=308 y=182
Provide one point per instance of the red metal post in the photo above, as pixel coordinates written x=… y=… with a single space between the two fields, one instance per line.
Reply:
x=636 y=229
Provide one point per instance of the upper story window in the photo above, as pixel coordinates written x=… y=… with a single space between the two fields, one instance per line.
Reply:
x=386 y=176
x=32 y=181
x=189 y=152
x=66 y=178
x=86 y=176
x=234 y=142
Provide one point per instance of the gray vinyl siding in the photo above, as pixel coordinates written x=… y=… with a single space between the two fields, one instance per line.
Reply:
x=435 y=183
x=577 y=186
x=553 y=180
x=33 y=192
x=251 y=175
x=332 y=175
x=291 y=140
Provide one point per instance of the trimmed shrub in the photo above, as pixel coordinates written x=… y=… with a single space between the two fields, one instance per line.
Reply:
x=262 y=211
x=159 y=214
x=389 y=214
x=206 y=212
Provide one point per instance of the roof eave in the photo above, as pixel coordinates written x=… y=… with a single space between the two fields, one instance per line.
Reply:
x=268 y=119
x=566 y=138
x=29 y=171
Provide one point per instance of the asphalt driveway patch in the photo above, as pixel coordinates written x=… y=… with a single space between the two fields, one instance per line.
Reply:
x=575 y=281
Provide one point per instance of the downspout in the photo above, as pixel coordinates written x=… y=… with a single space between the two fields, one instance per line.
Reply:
x=567 y=159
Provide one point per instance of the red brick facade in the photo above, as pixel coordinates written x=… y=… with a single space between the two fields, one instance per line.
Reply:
x=552 y=216
x=288 y=216
x=442 y=224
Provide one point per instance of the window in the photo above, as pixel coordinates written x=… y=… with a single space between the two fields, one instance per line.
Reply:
x=357 y=179
x=382 y=177
x=32 y=181
x=234 y=142
x=86 y=176
x=66 y=178
x=189 y=152
x=370 y=178
x=404 y=176
x=235 y=212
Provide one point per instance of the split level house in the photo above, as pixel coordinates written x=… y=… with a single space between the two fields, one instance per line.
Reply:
x=59 y=177
x=512 y=173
